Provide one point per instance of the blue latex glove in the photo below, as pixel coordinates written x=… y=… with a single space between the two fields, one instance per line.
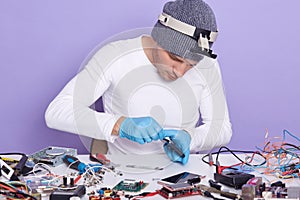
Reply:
x=182 y=140
x=141 y=129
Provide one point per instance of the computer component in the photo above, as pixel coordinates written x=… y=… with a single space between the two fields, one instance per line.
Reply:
x=66 y=194
x=183 y=177
x=233 y=178
x=130 y=185
x=179 y=190
x=52 y=155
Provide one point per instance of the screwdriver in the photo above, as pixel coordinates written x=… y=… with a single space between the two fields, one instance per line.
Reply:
x=173 y=147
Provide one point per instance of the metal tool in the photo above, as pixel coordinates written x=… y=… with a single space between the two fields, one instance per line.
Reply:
x=144 y=167
x=101 y=158
x=173 y=147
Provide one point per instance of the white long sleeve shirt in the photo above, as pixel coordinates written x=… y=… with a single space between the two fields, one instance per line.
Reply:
x=130 y=86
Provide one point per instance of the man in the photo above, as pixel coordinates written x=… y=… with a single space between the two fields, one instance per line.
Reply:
x=153 y=88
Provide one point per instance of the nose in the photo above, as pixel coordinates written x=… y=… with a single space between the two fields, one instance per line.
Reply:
x=180 y=69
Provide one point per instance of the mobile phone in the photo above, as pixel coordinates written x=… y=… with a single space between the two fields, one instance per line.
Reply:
x=183 y=177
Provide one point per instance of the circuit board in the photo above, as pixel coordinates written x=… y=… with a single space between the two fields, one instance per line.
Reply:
x=179 y=190
x=130 y=185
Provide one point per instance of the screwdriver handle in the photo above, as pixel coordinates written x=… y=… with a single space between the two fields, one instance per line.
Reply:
x=74 y=163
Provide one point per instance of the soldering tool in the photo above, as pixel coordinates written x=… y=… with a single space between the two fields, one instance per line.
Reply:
x=173 y=147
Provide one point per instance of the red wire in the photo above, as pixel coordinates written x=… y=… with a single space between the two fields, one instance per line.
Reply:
x=221 y=168
x=77 y=179
x=8 y=188
x=147 y=195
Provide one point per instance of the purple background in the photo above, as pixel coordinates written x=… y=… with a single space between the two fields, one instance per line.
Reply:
x=42 y=44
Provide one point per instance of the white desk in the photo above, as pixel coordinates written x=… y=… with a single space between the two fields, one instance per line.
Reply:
x=195 y=165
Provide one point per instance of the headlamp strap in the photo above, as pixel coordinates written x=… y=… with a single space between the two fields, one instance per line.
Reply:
x=203 y=42
x=177 y=25
x=201 y=35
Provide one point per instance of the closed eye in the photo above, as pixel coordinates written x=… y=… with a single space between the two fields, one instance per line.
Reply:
x=181 y=60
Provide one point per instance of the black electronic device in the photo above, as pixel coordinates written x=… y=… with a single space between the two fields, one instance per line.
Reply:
x=13 y=167
x=233 y=178
x=183 y=177
x=66 y=194
x=19 y=168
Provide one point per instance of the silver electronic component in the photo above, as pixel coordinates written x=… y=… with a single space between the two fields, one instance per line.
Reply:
x=52 y=155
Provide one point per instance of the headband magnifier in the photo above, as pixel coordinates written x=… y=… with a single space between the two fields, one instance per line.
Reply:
x=201 y=35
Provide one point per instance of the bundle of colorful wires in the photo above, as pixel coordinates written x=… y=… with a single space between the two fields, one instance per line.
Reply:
x=11 y=191
x=283 y=160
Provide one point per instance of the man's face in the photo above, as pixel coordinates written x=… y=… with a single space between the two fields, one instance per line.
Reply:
x=169 y=66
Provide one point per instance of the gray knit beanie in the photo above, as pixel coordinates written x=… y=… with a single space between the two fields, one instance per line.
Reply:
x=193 y=12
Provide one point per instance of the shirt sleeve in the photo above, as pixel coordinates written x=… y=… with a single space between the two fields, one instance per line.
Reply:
x=215 y=129
x=71 y=110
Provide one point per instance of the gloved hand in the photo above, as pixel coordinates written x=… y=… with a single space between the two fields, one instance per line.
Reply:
x=141 y=129
x=182 y=140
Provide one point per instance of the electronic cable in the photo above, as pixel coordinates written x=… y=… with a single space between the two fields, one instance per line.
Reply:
x=12 y=190
x=233 y=152
x=283 y=160
x=142 y=195
x=289 y=133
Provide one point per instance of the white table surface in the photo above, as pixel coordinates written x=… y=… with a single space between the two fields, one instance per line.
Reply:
x=195 y=165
